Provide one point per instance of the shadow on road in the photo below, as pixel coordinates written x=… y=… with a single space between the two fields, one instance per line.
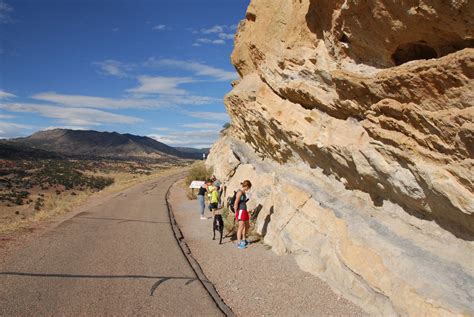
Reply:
x=161 y=279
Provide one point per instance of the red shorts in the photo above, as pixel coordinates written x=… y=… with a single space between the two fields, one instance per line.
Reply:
x=242 y=215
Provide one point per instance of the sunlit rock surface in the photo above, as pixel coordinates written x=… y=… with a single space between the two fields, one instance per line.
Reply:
x=354 y=121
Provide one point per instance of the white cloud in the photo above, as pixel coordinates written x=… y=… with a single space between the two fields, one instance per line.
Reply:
x=82 y=101
x=72 y=116
x=197 y=139
x=159 y=27
x=188 y=100
x=5 y=10
x=209 y=41
x=203 y=125
x=199 y=69
x=115 y=29
x=69 y=127
x=215 y=116
x=161 y=129
x=223 y=32
x=114 y=68
x=6 y=116
x=226 y=36
x=6 y=95
x=10 y=129
x=214 y=29
x=161 y=85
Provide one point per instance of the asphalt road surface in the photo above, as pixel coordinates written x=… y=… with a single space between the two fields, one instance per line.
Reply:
x=117 y=258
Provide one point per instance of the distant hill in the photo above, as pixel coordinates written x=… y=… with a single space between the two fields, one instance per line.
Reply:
x=103 y=144
x=193 y=151
x=21 y=152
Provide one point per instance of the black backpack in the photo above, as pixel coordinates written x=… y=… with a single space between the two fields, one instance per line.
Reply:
x=231 y=201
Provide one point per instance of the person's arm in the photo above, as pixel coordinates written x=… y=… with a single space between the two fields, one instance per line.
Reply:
x=237 y=200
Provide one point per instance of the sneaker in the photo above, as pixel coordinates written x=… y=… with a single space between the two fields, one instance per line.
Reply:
x=203 y=218
x=242 y=245
x=246 y=242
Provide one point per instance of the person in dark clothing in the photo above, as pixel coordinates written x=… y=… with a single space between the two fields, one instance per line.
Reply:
x=201 y=195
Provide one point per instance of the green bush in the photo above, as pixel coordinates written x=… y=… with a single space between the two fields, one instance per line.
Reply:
x=198 y=172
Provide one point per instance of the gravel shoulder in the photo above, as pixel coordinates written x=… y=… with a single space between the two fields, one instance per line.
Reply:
x=254 y=281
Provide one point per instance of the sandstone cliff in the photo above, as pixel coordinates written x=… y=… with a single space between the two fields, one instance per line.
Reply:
x=354 y=120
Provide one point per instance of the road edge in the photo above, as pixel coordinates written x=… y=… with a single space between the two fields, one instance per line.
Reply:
x=208 y=286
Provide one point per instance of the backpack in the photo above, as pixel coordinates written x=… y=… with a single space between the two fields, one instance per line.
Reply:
x=231 y=201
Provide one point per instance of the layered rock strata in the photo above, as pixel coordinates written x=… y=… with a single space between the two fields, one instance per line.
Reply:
x=354 y=120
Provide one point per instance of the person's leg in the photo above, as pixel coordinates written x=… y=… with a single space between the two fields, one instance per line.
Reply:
x=239 y=231
x=245 y=230
x=201 y=204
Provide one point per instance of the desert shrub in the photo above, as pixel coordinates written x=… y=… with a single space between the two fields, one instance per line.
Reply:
x=197 y=172
x=225 y=127
x=23 y=194
x=229 y=220
x=39 y=203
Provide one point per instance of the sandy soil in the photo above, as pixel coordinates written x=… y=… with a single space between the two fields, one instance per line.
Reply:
x=254 y=281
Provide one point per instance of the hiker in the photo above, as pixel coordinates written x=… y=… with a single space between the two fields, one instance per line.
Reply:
x=213 y=198
x=200 y=197
x=217 y=183
x=242 y=214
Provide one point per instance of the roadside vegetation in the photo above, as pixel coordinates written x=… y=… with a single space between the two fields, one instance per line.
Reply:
x=197 y=172
x=230 y=225
x=33 y=190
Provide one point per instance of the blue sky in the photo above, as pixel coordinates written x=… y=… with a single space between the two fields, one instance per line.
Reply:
x=147 y=67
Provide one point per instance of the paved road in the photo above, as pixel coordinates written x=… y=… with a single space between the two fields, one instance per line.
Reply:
x=117 y=258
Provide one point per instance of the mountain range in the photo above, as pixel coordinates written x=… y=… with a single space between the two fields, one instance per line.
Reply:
x=88 y=143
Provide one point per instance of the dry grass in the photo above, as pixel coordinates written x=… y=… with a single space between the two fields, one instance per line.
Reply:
x=197 y=172
x=231 y=225
x=55 y=205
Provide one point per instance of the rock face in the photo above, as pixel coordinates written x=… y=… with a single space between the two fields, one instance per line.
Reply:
x=354 y=121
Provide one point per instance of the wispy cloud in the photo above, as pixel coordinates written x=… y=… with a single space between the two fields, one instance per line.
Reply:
x=69 y=127
x=203 y=125
x=214 y=29
x=196 y=139
x=226 y=36
x=209 y=41
x=5 y=12
x=159 y=27
x=72 y=116
x=161 y=85
x=6 y=95
x=214 y=116
x=83 y=101
x=10 y=129
x=199 y=69
x=115 y=29
x=121 y=70
x=223 y=32
x=114 y=68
